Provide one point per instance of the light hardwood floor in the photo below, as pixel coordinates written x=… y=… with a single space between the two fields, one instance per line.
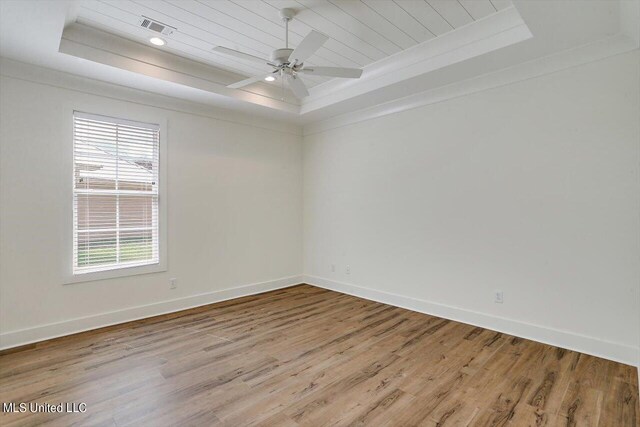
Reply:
x=305 y=356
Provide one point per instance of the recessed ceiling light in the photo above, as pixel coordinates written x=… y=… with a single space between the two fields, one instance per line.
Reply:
x=269 y=78
x=157 y=41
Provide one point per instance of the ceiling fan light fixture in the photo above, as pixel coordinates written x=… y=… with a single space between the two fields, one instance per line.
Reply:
x=157 y=41
x=270 y=78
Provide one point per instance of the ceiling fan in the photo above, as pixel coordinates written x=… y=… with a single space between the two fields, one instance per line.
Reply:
x=289 y=63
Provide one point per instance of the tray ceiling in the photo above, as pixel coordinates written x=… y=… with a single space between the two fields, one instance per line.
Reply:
x=361 y=32
x=405 y=47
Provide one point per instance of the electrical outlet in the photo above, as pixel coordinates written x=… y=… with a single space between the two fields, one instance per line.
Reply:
x=498 y=297
x=333 y=268
x=348 y=269
x=173 y=283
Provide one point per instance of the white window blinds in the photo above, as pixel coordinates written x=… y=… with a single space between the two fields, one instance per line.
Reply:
x=115 y=193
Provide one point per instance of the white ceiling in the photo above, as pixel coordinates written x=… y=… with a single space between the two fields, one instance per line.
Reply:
x=404 y=46
x=361 y=32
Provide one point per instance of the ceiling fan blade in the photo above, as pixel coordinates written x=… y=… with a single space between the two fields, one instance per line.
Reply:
x=238 y=54
x=350 y=73
x=297 y=86
x=307 y=47
x=248 y=81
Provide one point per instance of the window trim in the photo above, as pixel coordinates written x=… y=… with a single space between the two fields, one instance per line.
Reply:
x=122 y=271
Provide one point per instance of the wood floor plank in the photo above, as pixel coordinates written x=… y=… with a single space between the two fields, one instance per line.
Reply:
x=305 y=356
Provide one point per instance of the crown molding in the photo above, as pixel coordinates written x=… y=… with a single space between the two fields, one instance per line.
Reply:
x=13 y=69
x=580 y=55
x=601 y=49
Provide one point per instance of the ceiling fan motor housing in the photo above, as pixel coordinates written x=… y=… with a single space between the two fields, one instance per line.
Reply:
x=280 y=56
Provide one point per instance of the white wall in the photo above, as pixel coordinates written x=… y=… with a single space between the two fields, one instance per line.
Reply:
x=531 y=188
x=234 y=212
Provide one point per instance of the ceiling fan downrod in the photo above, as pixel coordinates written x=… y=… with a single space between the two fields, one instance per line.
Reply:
x=287 y=15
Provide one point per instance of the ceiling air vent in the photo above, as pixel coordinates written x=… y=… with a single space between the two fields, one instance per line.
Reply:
x=156 y=26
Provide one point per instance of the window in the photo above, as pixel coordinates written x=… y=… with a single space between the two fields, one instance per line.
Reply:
x=115 y=193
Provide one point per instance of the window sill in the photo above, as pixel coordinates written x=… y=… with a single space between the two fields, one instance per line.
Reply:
x=115 y=273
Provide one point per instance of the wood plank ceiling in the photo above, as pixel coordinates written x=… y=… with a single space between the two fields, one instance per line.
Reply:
x=361 y=31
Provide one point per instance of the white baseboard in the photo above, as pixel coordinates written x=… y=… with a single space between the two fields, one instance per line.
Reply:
x=81 y=324
x=565 y=339
x=584 y=344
